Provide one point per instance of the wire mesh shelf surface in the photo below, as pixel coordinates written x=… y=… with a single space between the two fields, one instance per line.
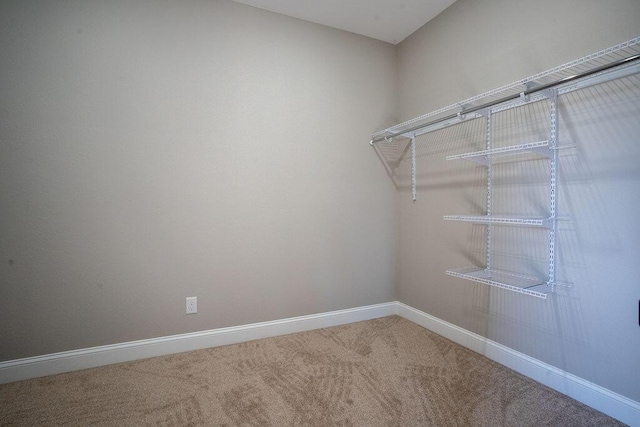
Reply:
x=559 y=74
x=505 y=280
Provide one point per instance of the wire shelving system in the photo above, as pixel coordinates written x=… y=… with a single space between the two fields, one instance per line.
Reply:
x=616 y=62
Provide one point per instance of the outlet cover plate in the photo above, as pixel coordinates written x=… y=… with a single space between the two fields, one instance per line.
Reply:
x=192 y=305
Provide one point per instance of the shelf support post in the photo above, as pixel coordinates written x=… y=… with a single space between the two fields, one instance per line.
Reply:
x=414 y=193
x=489 y=137
x=553 y=138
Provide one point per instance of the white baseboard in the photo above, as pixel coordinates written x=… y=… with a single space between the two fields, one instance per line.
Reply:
x=56 y=363
x=612 y=404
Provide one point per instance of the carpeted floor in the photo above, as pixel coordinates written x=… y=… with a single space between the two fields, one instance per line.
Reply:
x=383 y=372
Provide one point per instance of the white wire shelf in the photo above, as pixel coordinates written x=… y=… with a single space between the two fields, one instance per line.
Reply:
x=619 y=61
x=484 y=157
x=528 y=285
x=505 y=220
x=562 y=75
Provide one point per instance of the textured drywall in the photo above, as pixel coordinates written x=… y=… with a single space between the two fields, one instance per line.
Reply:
x=590 y=330
x=154 y=150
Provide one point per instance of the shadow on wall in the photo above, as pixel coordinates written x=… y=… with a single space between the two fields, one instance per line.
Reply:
x=599 y=190
x=597 y=249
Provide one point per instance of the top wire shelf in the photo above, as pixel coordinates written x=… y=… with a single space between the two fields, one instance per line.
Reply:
x=563 y=77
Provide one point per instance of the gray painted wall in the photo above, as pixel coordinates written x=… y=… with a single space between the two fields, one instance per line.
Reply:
x=153 y=150
x=592 y=329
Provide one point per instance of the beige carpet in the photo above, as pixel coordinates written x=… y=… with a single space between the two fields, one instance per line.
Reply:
x=384 y=372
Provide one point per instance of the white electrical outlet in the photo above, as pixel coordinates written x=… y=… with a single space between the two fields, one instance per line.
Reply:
x=192 y=305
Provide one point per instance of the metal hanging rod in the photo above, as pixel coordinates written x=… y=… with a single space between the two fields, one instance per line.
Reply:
x=509 y=98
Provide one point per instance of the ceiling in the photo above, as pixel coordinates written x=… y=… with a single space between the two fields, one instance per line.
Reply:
x=387 y=20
